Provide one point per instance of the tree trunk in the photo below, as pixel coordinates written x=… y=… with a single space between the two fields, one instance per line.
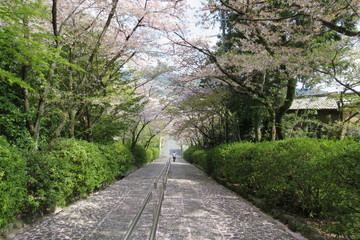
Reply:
x=272 y=125
x=72 y=117
x=273 y=130
x=88 y=124
x=344 y=130
x=39 y=115
x=34 y=128
x=226 y=129
x=42 y=101
x=257 y=126
x=281 y=111
x=279 y=127
x=58 y=130
x=24 y=77
x=238 y=129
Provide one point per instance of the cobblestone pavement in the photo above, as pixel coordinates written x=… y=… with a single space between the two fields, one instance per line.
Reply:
x=195 y=207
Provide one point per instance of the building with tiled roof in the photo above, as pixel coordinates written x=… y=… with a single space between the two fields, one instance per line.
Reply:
x=315 y=102
x=325 y=105
x=328 y=108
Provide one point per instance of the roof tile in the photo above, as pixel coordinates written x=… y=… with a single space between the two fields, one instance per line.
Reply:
x=314 y=102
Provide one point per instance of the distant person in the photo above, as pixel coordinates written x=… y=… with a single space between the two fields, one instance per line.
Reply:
x=174 y=156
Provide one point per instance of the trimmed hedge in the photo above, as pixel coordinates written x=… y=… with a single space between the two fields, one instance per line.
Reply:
x=188 y=153
x=315 y=178
x=120 y=159
x=143 y=156
x=151 y=154
x=155 y=152
x=199 y=157
x=70 y=170
x=12 y=183
x=139 y=154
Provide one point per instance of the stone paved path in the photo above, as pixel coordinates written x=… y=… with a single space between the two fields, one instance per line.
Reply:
x=195 y=208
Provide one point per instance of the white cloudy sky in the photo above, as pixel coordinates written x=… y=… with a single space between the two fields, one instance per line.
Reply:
x=194 y=18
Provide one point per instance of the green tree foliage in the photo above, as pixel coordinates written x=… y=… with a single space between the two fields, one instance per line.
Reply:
x=13 y=120
x=21 y=45
x=24 y=62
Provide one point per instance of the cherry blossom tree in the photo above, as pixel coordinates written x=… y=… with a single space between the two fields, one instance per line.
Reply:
x=270 y=47
x=92 y=42
x=154 y=116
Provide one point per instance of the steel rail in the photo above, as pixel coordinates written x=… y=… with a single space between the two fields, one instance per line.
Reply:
x=156 y=216
x=161 y=173
x=166 y=176
x=157 y=209
x=137 y=217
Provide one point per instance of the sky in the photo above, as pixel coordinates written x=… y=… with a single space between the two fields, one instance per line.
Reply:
x=194 y=19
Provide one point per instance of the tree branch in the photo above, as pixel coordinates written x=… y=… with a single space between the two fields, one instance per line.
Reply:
x=105 y=28
x=340 y=29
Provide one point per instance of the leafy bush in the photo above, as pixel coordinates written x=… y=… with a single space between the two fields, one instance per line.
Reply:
x=237 y=162
x=340 y=189
x=139 y=154
x=149 y=155
x=188 y=153
x=12 y=183
x=199 y=157
x=73 y=169
x=48 y=184
x=70 y=170
x=152 y=153
x=293 y=165
x=315 y=178
x=119 y=157
x=156 y=152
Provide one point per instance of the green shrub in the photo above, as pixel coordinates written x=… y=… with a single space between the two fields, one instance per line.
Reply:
x=87 y=164
x=70 y=170
x=340 y=190
x=12 y=183
x=139 y=154
x=49 y=182
x=188 y=153
x=237 y=162
x=73 y=169
x=149 y=155
x=119 y=158
x=284 y=172
x=220 y=160
x=315 y=178
x=156 y=152
x=199 y=158
x=152 y=153
x=213 y=161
